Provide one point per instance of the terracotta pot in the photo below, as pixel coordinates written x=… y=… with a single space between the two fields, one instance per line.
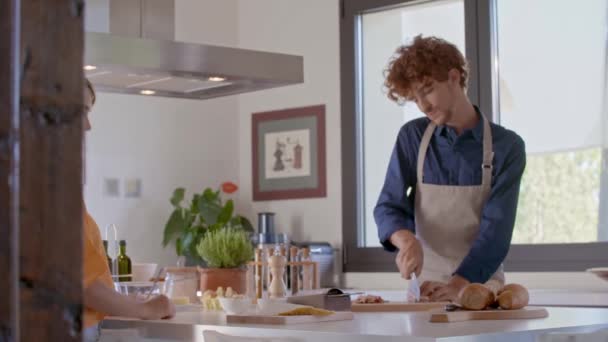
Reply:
x=212 y=278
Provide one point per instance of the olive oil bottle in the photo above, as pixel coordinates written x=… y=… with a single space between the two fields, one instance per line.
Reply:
x=123 y=262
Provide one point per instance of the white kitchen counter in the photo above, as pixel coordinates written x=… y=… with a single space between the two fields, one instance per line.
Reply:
x=189 y=326
x=559 y=297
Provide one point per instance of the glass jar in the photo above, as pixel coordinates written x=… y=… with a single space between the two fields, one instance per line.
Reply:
x=181 y=284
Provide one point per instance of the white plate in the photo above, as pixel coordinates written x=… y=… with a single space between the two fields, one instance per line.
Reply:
x=601 y=272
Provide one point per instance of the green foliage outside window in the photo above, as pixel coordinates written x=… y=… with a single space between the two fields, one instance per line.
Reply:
x=559 y=198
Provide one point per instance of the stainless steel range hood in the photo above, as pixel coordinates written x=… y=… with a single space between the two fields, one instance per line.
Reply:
x=133 y=63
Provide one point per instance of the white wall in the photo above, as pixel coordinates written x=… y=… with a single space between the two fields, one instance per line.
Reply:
x=167 y=143
x=310 y=29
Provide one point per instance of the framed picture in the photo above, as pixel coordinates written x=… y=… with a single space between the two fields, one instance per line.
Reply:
x=288 y=148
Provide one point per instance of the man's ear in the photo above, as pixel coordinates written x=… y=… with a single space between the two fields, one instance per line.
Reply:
x=454 y=76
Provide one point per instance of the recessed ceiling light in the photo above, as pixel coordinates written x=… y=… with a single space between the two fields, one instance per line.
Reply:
x=216 y=79
x=147 y=92
x=89 y=67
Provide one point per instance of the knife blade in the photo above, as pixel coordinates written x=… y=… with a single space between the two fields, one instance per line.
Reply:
x=414 y=288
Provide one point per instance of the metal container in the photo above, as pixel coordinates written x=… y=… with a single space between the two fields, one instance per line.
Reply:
x=266 y=235
x=333 y=299
x=323 y=254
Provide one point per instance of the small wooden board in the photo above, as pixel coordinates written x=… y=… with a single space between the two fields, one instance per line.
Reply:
x=396 y=306
x=253 y=319
x=465 y=315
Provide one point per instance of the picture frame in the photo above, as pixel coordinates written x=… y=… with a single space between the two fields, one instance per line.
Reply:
x=288 y=153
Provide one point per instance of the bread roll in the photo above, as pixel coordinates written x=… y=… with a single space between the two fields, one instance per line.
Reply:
x=476 y=297
x=494 y=285
x=513 y=297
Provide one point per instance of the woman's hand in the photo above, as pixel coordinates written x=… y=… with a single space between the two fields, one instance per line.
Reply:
x=99 y=297
x=158 y=307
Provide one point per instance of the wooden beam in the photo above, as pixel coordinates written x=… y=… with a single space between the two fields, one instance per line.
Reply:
x=51 y=204
x=9 y=170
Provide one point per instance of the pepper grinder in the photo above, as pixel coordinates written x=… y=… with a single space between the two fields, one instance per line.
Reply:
x=277 y=264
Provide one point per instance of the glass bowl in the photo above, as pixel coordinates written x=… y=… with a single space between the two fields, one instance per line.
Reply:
x=136 y=288
x=237 y=306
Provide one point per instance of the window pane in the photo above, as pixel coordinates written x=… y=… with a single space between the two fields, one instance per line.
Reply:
x=551 y=64
x=381 y=33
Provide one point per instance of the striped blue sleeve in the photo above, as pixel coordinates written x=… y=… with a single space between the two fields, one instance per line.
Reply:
x=395 y=209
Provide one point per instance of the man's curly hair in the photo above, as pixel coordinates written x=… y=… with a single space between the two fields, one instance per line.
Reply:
x=425 y=59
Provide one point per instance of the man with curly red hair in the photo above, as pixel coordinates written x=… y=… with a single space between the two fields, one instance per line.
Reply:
x=449 y=199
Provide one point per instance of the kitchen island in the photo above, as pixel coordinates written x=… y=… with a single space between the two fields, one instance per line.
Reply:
x=189 y=324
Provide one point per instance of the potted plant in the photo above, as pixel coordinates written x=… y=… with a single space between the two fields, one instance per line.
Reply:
x=206 y=212
x=225 y=252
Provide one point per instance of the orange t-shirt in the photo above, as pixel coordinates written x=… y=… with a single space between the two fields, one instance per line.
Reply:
x=95 y=266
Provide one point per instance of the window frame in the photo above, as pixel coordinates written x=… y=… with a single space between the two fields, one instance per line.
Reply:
x=481 y=52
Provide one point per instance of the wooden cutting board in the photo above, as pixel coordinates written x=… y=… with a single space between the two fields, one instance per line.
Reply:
x=254 y=319
x=396 y=306
x=465 y=315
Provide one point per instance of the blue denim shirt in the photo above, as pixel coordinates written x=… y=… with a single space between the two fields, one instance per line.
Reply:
x=455 y=160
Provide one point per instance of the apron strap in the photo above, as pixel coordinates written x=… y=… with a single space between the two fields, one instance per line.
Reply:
x=488 y=158
x=488 y=155
x=424 y=145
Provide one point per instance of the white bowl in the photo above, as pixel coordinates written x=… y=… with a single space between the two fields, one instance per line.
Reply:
x=237 y=306
x=601 y=272
x=143 y=271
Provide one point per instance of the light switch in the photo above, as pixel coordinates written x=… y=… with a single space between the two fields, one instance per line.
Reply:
x=133 y=187
x=111 y=187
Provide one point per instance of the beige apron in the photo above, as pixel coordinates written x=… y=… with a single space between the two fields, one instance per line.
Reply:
x=448 y=217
